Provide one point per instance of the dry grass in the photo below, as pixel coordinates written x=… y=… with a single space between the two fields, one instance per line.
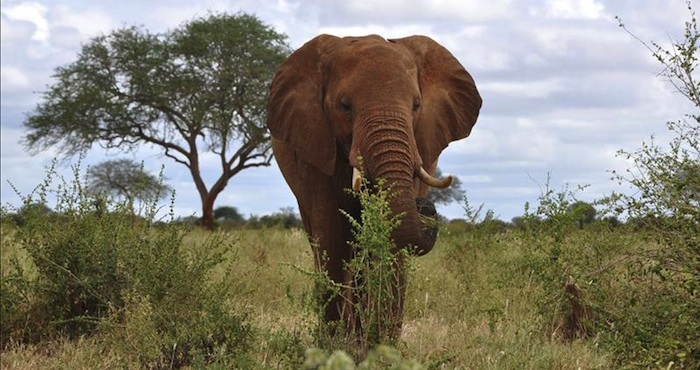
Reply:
x=462 y=312
x=84 y=353
x=484 y=322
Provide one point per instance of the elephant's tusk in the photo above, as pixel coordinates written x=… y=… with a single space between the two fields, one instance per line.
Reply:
x=432 y=181
x=356 y=179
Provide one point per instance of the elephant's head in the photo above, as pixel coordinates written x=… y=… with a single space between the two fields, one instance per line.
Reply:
x=396 y=104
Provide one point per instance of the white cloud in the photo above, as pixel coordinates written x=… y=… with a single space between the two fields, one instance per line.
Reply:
x=14 y=30
x=89 y=22
x=479 y=56
x=55 y=22
x=469 y=10
x=12 y=78
x=575 y=9
x=63 y=37
x=32 y=12
x=475 y=179
x=530 y=89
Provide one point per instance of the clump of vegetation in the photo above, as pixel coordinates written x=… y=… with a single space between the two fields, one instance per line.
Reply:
x=378 y=268
x=378 y=272
x=664 y=202
x=82 y=270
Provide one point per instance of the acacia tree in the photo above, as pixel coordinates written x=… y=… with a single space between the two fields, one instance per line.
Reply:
x=126 y=179
x=195 y=90
x=228 y=213
x=584 y=213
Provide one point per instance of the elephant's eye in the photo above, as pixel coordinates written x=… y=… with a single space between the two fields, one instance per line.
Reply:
x=345 y=105
x=416 y=105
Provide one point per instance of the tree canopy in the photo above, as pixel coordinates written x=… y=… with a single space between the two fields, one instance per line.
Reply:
x=198 y=89
x=584 y=213
x=228 y=213
x=126 y=179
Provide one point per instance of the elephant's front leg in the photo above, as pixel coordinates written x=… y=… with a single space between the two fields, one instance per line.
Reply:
x=332 y=232
x=320 y=198
x=331 y=256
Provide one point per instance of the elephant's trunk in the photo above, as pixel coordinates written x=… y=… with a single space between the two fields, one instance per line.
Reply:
x=415 y=231
x=393 y=159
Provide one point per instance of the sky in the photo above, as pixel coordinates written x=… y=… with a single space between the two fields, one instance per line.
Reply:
x=563 y=87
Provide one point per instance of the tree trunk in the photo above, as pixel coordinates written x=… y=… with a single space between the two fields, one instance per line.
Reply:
x=208 y=212
x=208 y=197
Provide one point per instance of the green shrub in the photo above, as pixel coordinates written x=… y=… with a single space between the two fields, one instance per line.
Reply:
x=73 y=251
x=662 y=321
x=21 y=319
x=175 y=313
x=631 y=291
x=377 y=267
x=110 y=271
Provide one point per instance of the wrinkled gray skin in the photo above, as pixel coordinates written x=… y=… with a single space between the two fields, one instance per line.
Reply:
x=396 y=104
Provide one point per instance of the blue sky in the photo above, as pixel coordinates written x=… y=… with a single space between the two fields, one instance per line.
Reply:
x=564 y=87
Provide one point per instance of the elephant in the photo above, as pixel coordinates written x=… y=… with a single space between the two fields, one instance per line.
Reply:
x=341 y=109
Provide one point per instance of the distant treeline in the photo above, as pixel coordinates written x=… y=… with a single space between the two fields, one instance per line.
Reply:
x=228 y=217
x=225 y=217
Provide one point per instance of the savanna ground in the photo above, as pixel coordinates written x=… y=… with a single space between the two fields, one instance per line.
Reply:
x=487 y=297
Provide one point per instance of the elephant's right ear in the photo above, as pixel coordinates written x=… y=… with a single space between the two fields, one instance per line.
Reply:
x=295 y=112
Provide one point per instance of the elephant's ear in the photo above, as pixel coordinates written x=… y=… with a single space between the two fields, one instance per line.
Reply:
x=450 y=101
x=295 y=110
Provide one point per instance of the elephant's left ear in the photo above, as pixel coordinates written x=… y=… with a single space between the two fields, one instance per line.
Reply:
x=450 y=101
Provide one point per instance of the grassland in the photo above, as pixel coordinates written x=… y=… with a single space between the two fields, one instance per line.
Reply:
x=479 y=300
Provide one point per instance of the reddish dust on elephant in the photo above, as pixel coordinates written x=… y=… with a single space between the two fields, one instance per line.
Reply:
x=345 y=108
